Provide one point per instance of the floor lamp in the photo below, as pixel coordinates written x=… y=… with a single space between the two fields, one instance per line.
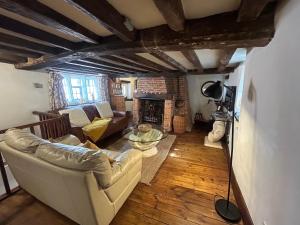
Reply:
x=226 y=209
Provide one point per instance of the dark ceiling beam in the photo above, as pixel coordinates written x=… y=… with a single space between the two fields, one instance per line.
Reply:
x=19 y=52
x=191 y=56
x=110 y=65
x=172 y=11
x=168 y=60
x=214 y=32
x=143 y=61
x=97 y=66
x=12 y=41
x=12 y=59
x=34 y=10
x=210 y=71
x=123 y=61
x=105 y=14
x=83 y=68
x=29 y=31
x=251 y=9
x=225 y=58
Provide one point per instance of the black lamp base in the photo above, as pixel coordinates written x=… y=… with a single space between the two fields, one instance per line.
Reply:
x=231 y=214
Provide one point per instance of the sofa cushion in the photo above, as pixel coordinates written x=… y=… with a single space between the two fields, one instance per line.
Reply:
x=22 y=140
x=77 y=158
x=68 y=139
x=91 y=145
x=104 y=109
x=91 y=111
x=77 y=116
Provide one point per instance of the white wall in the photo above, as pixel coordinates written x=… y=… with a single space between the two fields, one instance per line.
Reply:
x=197 y=101
x=18 y=96
x=267 y=152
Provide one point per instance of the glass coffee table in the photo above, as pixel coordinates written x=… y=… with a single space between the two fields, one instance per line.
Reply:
x=145 y=140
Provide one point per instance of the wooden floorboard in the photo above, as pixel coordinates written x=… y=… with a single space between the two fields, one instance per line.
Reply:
x=182 y=193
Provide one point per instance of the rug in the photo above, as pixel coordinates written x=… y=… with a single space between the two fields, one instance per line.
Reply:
x=152 y=164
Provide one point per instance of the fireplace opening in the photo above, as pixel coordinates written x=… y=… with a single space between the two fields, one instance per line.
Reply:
x=152 y=111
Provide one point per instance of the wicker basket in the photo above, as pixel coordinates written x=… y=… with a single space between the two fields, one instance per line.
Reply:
x=179 y=124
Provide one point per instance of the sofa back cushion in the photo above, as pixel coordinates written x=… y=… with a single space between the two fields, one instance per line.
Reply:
x=77 y=116
x=22 y=140
x=77 y=158
x=104 y=109
x=91 y=111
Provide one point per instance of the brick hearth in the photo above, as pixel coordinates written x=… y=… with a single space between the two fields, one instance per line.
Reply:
x=173 y=90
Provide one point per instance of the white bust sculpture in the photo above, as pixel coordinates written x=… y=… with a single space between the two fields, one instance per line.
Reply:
x=218 y=131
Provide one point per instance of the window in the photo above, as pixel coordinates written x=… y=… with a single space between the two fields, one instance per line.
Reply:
x=81 y=89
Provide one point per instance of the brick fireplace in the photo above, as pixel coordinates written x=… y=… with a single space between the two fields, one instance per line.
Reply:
x=170 y=92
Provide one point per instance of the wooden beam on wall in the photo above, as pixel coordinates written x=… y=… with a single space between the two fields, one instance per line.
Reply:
x=225 y=58
x=34 y=10
x=24 y=29
x=191 y=56
x=168 y=60
x=173 y=13
x=251 y=9
x=12 y=41
x=105 y=14
x=143 y=61
x=214 y=32
x=19 y=52
x=12 y=59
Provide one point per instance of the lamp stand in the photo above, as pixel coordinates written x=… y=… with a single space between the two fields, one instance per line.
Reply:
x=226 y=209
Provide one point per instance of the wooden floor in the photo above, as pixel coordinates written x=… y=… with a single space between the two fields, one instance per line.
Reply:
x=182 y=193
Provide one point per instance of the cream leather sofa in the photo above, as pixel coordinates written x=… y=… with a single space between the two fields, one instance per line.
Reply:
x=76 y=194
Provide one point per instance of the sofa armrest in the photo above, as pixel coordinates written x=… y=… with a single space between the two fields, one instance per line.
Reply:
x=124 y=163
x=119 y=114
x=77 y=131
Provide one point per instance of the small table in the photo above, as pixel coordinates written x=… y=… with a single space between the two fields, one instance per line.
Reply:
x=145 y=141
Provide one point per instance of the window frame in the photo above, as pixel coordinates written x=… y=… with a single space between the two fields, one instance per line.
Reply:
x=83 y=87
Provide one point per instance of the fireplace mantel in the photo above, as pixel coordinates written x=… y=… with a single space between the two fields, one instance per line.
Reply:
x=154 y=96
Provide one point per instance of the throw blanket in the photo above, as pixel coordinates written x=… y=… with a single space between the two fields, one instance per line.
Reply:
x=96 y=129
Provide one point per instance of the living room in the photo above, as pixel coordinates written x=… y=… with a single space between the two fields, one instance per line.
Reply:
x=149 y=112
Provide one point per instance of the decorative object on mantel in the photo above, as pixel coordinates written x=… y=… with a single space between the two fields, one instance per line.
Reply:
x=226 y=209
x=179 y=124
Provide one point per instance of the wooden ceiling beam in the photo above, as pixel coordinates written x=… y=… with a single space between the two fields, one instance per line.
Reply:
x=191 y=56
x=29 y=31
x=80 y=68
x=123 y=61
x=251 y=9
x=97 y=66
x=19 y=52
x=210 y=71
x=168 y=60
x=105 y=14
x=214 y=32
x=111 y=65
x=34 y=10
x=225 y=58
x=143 y=61
x=12 y=59
x=12 y=41
x=173 y=13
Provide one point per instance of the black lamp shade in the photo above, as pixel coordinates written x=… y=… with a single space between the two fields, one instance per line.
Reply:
x=214 y=91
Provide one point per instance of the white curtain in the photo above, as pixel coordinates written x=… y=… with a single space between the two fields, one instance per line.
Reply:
x=103 y=88
x=56 y=91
